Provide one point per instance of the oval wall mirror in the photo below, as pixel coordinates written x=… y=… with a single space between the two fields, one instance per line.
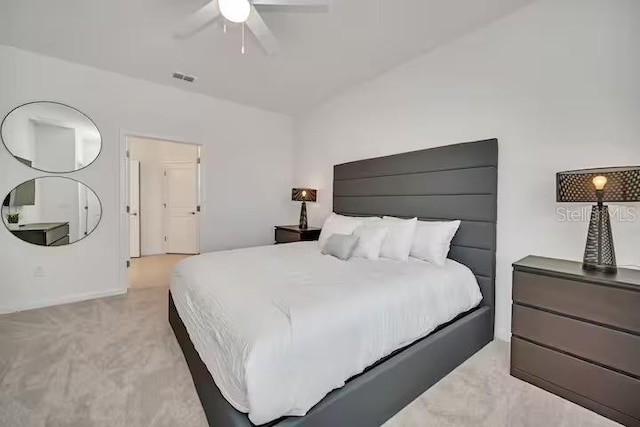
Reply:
x=51 y=211
x=51 y=137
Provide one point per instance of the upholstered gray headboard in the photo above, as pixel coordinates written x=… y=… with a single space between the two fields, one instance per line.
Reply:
x=444 y=183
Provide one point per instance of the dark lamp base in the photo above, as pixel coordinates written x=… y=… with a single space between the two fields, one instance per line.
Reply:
x=599 y=253
x=303 y=223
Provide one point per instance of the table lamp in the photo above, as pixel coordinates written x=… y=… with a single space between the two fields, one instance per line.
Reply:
x=618 y=184
x=303 y=195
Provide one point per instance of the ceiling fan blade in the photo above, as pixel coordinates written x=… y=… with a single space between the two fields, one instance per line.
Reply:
x=205 y=16
x=319 y=5
x=264 y=35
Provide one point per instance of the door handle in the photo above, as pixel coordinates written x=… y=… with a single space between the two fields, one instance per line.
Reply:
x=193 y=213
x=135 y=214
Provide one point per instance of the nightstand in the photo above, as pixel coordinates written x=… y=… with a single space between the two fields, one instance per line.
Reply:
x=576 y=334
x=293 y=233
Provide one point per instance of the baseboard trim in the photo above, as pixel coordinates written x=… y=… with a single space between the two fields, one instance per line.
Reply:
x=64 y=300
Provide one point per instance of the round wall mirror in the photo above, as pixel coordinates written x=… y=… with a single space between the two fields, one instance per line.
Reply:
x=51 y=137
x=51 y=211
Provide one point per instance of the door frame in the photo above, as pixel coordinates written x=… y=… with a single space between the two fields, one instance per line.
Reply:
x=124 y=258
x=139 y=214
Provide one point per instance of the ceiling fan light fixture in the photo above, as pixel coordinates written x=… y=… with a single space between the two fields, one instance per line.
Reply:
x=237 y=11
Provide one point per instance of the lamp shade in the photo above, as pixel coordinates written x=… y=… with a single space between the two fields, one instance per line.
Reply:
x=303 y=195
x=621 y=184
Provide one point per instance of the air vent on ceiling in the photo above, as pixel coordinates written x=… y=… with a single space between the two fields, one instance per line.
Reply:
x=185 y=77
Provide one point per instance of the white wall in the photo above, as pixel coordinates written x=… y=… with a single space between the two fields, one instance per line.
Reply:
x=17 y=134
x=152 y=154
x=557 y=82
x=246 y=151
x=54 y=146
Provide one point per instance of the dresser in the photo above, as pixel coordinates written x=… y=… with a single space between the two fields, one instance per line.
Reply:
x=577 y=334
x=44 y=233
x=293 y=233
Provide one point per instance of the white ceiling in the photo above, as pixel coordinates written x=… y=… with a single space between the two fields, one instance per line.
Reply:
x=321 y=53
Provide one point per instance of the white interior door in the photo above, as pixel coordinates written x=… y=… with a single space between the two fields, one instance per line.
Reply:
x=181 y=216
x=134 y=208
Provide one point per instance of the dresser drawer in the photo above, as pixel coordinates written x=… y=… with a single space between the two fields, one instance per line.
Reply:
x=61 y=242
x=598 y=303
x=609 y=347
x=598 y=384
x=285 y=236
x=57 y=234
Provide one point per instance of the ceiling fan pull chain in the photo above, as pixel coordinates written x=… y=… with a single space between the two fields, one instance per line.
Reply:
x=224 y=25
x=243 y=26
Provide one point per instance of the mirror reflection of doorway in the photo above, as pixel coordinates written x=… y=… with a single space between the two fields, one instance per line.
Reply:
x=51 y=211
x=163 y=208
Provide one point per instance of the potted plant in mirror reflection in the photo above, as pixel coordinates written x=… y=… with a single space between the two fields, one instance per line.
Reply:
x=13 y=218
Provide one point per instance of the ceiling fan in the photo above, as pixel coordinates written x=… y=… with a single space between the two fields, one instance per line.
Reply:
x=245 y=12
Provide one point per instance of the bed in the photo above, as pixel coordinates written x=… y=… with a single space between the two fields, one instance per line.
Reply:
x=451 y=182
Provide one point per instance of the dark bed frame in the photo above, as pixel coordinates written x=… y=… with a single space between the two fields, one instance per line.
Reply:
x=444 y=183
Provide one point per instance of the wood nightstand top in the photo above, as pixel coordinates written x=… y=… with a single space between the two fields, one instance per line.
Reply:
x=625 y=278
x=297 y=229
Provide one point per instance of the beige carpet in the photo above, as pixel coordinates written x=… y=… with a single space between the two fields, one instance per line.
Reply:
x=114 y=362
x=153 y=271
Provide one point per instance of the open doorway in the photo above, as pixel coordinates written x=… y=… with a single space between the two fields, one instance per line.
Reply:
x=163 y=207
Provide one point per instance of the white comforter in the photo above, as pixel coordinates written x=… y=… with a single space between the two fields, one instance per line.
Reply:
x=281 y=326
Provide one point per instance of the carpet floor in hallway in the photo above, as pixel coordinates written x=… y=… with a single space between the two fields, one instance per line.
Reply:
x=153 y=271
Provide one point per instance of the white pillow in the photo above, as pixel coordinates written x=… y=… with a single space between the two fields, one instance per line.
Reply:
x=338 y=224
x=340 y=246
x=433 y=240
x=370 y=238
x=400 y=234
x=368 y=219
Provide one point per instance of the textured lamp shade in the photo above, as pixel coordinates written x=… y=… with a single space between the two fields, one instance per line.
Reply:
x=303 y=195
x=620 y=184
